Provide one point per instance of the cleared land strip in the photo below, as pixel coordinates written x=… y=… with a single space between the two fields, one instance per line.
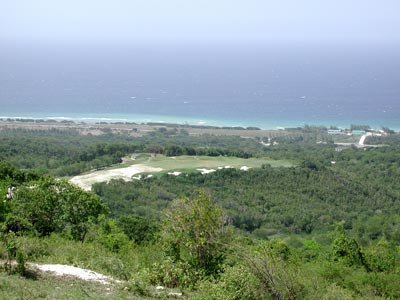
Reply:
x=173 y=165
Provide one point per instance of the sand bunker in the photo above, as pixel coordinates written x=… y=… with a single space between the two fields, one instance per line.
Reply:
x=176 y=173
x=206 y=171
x=85 y=181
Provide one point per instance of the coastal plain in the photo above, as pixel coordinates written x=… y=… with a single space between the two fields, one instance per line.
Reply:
x=135 y=130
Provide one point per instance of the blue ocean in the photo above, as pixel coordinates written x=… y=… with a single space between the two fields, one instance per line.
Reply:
x=227 y=85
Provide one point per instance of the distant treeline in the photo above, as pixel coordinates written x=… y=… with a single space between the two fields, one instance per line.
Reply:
x=174 y=125
x=67 y=153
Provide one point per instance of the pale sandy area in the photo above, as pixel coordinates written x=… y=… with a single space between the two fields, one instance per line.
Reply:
x=85 y=181
x=176 y=173
x=206 y=171
x=65 y=270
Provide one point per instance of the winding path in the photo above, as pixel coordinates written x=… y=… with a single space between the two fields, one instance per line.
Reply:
x=363 y=137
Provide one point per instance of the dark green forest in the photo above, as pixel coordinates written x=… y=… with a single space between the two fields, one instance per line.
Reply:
x=326 y=228
x=68 y=153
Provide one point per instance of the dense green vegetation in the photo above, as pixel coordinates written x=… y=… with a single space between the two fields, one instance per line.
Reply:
x=62 y=153
x=326 y=228
x=43 y=205
x=67 y=153
x=361 y=189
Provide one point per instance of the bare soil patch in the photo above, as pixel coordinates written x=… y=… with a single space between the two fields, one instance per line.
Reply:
x=65 y=270
x=87 y=180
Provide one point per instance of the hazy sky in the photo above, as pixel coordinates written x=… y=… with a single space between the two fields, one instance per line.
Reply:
x=134 y=21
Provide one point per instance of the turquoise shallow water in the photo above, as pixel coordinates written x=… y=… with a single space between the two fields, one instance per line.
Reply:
x=147 y=118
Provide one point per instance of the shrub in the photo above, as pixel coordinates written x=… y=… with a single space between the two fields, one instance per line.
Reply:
x=138 y=286
x=346 y=249
x=109 y=235
x=174 y=274
x=194 y=231
x=335 y=292
x=271 y=264
x=381 y=257
x=14 y=252
x=235 y=283
x=138 y=229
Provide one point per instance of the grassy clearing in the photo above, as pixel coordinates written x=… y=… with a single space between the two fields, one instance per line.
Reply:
x=346 y=138
x=45 y=286
x=146 y=164
x=188 y=163
x=127 y=266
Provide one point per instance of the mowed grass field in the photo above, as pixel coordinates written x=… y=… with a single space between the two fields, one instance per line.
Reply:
x=192 y=163
x=146 y=164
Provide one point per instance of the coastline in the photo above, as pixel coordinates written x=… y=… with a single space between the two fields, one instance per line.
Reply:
x=144 y=119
